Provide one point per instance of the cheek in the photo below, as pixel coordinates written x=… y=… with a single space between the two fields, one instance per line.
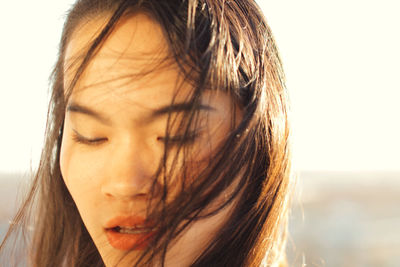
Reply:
x=204 y=151
x=82 y=180
x=196 y=238
x=80 y=173
x=65 y=157
x=199 y=156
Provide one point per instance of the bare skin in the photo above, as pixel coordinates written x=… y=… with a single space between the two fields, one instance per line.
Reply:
x=108 y=173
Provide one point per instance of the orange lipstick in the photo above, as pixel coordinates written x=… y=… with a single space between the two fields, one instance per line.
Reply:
x=129 y=232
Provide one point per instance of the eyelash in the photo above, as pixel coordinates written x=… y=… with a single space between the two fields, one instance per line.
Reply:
x=87 y=141
x=186 y=140
x=189 y=139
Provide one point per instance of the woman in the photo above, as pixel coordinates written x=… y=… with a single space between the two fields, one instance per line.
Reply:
x=167 y=139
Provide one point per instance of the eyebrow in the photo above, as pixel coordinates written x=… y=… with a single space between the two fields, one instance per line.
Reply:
x=177 y=107
x=77 y=108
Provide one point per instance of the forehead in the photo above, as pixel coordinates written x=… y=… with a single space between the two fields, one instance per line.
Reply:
x=133 y=58
x=138 y=36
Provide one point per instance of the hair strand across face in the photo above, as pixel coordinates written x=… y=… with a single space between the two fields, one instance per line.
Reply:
x=219 y=47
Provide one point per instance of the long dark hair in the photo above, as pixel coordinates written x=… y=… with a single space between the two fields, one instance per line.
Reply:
x=219 y=45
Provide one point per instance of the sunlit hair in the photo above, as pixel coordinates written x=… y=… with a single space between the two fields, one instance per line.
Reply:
x=218 y=45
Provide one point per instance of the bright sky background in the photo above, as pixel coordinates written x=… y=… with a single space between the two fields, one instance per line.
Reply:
x=341 y=58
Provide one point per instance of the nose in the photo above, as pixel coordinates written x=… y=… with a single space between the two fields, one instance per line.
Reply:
x=130 y=172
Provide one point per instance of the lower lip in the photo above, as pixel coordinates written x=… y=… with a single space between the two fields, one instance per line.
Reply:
x=129 y=241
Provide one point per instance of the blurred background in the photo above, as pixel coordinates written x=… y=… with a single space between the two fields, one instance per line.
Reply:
x=342 y=64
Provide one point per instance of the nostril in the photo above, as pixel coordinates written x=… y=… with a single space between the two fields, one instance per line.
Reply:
x=141 y=195
x=125 y=191
x=107 y=194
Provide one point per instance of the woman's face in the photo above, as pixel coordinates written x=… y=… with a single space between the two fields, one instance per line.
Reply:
x=113 y=137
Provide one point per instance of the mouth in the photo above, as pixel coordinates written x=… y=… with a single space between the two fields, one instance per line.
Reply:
x=129 y=233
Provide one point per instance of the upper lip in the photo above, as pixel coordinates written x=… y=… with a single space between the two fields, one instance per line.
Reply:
x=131 y=221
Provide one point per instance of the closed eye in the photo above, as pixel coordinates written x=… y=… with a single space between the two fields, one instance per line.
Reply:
x=190 y=138
x=87 y=141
